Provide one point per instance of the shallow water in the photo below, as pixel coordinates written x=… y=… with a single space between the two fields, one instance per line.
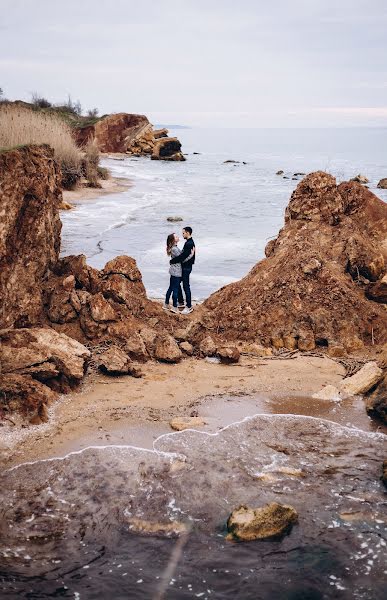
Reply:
x=66 y=523
x=233 y=209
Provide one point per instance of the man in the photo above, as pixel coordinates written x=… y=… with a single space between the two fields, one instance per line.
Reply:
x=187 y=259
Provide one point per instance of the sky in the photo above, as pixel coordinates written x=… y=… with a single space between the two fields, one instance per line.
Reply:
x=204 y=63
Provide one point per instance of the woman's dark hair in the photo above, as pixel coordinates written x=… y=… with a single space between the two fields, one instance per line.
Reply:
x=170 y=243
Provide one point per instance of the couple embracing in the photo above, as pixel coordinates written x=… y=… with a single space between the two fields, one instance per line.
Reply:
x=180 y=270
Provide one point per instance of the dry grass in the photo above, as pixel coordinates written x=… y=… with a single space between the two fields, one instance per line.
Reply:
x=91 y=164
x=20 y=126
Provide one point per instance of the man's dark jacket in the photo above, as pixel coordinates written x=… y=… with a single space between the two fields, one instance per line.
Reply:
x=187 y=249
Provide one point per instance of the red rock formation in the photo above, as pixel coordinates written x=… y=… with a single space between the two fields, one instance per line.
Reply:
x=29 y=230
x=310 y=290
x=113 y=133
x=132 y=134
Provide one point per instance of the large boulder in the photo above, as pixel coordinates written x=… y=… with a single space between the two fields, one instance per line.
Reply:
x=44 y=354
x=23 y=395
x=383 y=184
x=166 y=349
x=310 y=288
x=30 y=194
x=271 y=521
x=114 y=361
x=166 y=148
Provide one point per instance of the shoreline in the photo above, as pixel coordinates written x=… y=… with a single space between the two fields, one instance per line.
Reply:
x=113 y=185
x=128 y=411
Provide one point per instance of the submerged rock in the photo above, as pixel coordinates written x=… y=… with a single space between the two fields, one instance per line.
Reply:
x=271 y=521
x=383 y=184
x=171 y=529
x=174 y=219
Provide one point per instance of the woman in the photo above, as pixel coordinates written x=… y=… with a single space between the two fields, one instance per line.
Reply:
x=175 y=273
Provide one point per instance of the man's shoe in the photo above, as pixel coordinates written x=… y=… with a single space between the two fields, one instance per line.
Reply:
x=187 y=310
x=181 y=305
x=166 y=306
x=174 y=309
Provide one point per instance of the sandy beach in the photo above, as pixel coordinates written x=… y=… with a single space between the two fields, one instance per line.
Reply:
x=124 y=410
x=113 y=185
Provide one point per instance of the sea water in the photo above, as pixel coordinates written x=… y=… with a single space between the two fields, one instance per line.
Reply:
x=69 y=526
x=233 y=208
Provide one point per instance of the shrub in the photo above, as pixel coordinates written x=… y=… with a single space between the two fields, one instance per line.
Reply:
x=21 y=126
x=92 y=113
x=40 y=102
x=103 y=173
x=90 y=164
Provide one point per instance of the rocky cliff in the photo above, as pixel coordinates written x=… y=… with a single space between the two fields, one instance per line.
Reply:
x=30 y=228
x=131 y=134
x=322 y=281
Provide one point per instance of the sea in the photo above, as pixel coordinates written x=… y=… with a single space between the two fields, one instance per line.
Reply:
x=101 y=523
x=234 y=209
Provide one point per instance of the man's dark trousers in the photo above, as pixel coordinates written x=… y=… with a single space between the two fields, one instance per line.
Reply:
x=186 y=287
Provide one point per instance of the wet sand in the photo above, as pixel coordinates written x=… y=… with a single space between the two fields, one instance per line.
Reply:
x=113 y=185
x=129 y=411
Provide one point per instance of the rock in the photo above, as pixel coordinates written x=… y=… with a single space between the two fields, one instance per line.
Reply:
x=255 y=349
x=207 y=346
x=382 y=184
x=85 y=276
x=160 y=133
x=181 y=423
x=290 y=342
x=22 y=349
x=101 y=310
x=311 y=267
x=180 y=334
x=376 y=403
x=378 y=291
x=384 y=473
x=135 y=348
x=166 y=349
x=271 y=521
x=234 y=162
x=115 y=361
x=174 y=219
x=65 y=205
x=114 y=133
x=280 y=172
x=360 y=179
x=22 y=394
x=228 y=354
x=329 y=392
x=365 y=379
x=167 y=149
x=187 y=348
x=30 y=193
x=277 y=341
x=171 y=529
x=123 y=265
x=336 y=350
x=306 y=341
x=299 y=174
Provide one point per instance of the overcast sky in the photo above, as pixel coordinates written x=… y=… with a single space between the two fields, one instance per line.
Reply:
x=203 y=62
